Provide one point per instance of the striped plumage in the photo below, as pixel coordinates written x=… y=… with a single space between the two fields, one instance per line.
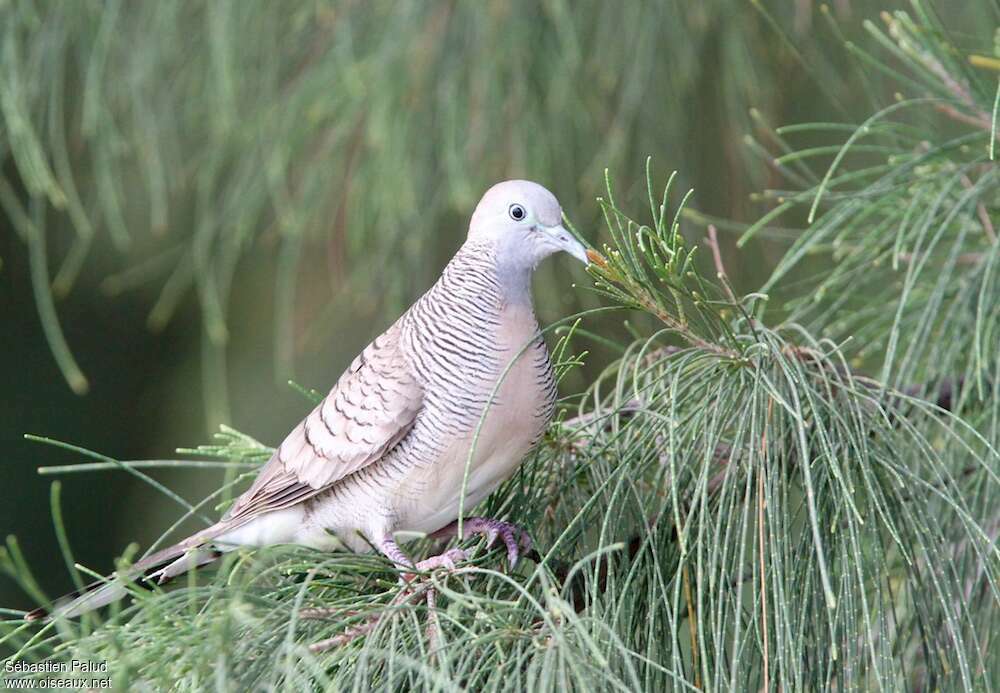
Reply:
x=457 y=340
x=388 y=448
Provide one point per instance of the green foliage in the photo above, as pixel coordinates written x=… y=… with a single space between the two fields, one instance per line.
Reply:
x=162 y=143
x=733 y=504
x=904 y=217
x=739 y=512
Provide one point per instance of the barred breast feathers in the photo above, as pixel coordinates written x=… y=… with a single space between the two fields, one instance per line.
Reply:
x=450 y=337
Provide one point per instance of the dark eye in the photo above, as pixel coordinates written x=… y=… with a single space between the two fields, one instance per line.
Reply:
x=517 y=212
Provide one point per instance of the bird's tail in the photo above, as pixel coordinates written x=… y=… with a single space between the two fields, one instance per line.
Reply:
x=159 y=567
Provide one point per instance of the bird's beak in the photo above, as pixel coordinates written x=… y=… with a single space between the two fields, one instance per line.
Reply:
x=564 y=240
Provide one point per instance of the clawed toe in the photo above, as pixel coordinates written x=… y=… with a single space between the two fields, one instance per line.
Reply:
x=513 y=550
x=515 y=539
x=491 y=535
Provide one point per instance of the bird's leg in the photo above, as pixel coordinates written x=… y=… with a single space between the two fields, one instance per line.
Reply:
x=391 y=549
x=516 y=540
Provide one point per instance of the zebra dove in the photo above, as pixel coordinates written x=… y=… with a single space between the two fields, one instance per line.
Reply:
x=388 y=449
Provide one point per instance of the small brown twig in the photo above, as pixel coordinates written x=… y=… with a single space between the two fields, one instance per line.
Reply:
x=409 y=594
x=692 y=626
x=760 y=528
x=349 y=635
x=981 y=118
x=963 y=259
x=647 y=301
x=720 y=269
x=984 y=217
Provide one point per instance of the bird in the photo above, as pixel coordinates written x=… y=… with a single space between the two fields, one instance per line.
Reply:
x=427 y=421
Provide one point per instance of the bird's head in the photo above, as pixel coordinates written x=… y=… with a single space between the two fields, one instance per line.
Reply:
x=524 y=220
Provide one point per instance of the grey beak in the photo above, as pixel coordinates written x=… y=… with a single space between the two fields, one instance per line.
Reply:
x=565 y=241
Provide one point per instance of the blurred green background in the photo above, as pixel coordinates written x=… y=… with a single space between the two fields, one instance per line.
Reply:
x=218 y=197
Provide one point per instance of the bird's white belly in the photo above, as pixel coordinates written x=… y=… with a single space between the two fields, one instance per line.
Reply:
x=441 y=501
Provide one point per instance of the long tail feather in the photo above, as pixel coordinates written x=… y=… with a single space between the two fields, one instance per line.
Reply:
x=160 y=567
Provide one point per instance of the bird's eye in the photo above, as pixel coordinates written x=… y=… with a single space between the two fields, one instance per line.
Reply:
x=517 y=212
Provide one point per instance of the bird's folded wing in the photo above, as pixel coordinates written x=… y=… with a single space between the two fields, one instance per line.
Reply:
x=370 y=409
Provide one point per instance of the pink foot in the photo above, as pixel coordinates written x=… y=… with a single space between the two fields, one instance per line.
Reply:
x=514 y=538
x=446 y=560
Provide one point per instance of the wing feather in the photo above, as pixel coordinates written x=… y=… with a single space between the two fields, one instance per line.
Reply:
x=371 y=408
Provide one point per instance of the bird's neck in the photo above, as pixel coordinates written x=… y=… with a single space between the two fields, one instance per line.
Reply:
x=514 y=278
x=478 y=273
